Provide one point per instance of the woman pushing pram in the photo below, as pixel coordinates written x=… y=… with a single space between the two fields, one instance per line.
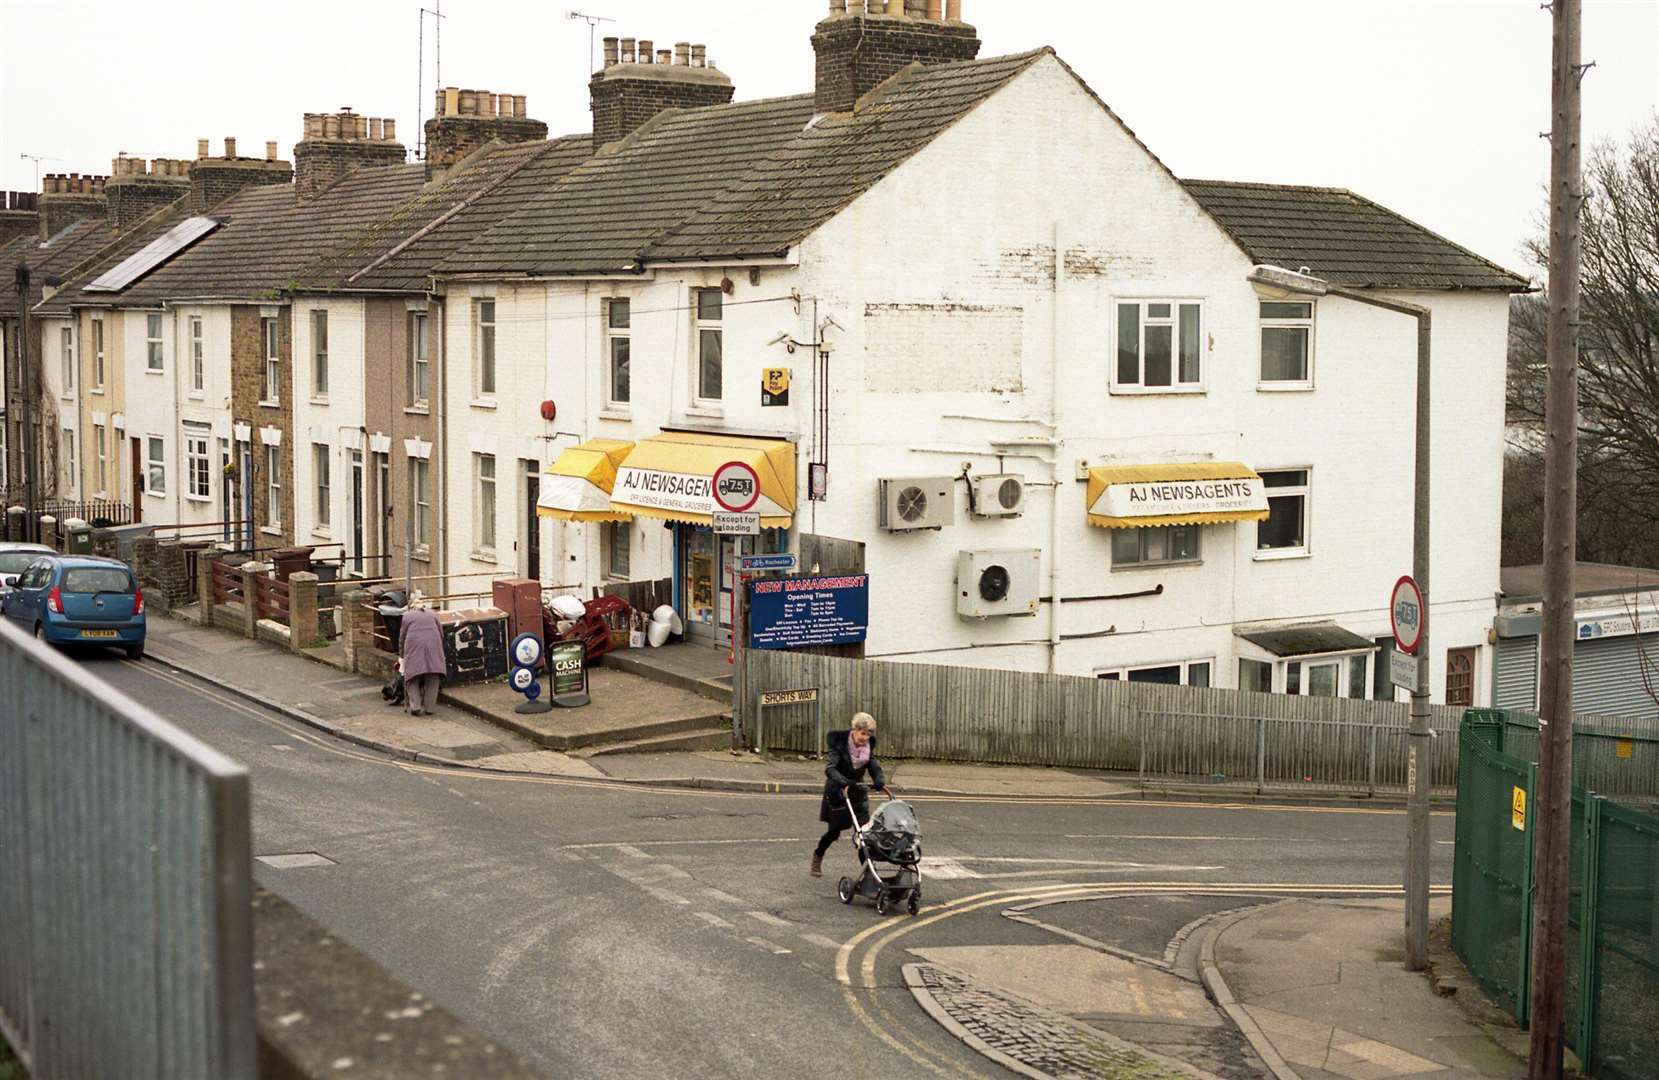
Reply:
x=891 y=836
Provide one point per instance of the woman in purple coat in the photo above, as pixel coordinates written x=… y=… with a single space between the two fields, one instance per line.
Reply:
x=420 y=647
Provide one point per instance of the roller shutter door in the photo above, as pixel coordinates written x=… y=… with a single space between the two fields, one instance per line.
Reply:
x=1607 y=676
x=1517 y=673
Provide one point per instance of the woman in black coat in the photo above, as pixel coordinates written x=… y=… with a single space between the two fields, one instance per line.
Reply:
x=852 y=758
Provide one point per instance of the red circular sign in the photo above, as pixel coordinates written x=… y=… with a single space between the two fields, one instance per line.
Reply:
x=736 y=487
x=1405 y=614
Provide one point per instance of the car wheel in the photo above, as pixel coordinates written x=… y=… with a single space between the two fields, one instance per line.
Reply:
x=40 y=632
x=135 y=652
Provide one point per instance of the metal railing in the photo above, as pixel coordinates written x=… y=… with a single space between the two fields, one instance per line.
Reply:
x=126 y=939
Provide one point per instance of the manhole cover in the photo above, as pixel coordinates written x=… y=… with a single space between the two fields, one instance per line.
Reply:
x=295 y=860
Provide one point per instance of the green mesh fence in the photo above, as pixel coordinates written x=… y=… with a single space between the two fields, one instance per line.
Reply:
x=1613 y=918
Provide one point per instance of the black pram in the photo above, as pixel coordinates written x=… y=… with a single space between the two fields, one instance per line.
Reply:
x=890 y=836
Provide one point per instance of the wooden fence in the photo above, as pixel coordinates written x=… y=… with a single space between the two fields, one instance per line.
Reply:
x=227 y=583
x=271 y=598
x=1189 y=734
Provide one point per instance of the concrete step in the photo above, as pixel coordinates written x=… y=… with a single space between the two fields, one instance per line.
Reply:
x=710 y=688
x=565 y=730
x=717 y=738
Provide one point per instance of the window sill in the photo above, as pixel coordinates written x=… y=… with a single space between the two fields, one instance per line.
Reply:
x=1156 y=391
x=485 y=557
x=423 y=553
x=270 y=404
x=320 y=401
x=203 y=499
x=155 y=371
x=702 y=409
x=195 y=395
x=97 y=390
x=323 y=533
x=271 y=530
x=1178 y=564
x=612 y=412
x=482 y=403
x=1286 y=387
x=417 y=410
x=161 y=495
x=1281 y=556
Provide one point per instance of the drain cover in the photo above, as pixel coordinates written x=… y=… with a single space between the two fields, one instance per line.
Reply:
x=295 y=860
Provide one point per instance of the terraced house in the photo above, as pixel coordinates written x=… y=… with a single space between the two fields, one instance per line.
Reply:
x=1022 y=380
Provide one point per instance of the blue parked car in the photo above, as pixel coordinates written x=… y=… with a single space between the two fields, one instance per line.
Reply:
x=78 y=600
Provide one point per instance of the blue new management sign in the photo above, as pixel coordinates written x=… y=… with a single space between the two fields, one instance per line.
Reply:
x=798 y=612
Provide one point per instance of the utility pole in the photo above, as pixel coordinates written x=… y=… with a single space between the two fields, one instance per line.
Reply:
x=1552 y=812
x=30 y=465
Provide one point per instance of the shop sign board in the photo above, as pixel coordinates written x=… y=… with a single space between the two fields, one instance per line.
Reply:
x=1617 y=626
x=736 y=525
x=1164 y=498
x=569 y=663
x=795 y=613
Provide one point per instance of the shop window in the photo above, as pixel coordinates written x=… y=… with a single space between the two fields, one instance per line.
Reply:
x=1155 y=546
x=618 y=541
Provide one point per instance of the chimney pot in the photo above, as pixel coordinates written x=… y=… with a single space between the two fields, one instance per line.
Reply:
x=627 y=50
x=376 y=130
x=230 y=146
x=452 y=101
x=837 y=7
x=495 y=104
x=331 y=126
x=98 y=185
x=682 y=53
x=935 y=10
x=469 y=103
x=613 y=49
x=201 y=148
x=953 y=10
x=665 y=56
x=437 y=102
x=699 y=55
x=270 y=150
x=391 y=130
x=647 y=49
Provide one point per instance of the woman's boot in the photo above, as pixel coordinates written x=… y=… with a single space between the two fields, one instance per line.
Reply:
x=817 y=865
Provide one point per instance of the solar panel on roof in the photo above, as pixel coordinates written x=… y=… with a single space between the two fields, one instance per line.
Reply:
x=153 y=254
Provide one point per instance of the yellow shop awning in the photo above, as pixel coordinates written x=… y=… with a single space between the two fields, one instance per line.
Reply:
x=1203 y=493
x=577 y=487
x=671 y=476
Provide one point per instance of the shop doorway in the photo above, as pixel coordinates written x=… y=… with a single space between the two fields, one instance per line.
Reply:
x=532 y=521
x=706 y=572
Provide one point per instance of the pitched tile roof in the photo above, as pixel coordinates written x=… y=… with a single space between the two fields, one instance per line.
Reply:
x=1344 y=238
x=61 y=255
x=749 y=178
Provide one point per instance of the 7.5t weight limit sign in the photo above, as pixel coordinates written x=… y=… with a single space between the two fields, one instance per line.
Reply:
x=1405 y=612
x=736 y=487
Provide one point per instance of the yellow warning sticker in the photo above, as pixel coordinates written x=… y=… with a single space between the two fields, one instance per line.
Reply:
x=1518 y=809
x=1624 y=748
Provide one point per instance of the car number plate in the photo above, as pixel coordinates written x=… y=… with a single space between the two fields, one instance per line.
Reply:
x=99 y=633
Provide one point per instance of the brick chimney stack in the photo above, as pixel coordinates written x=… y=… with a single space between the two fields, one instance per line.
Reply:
x=464 y=120
x=138 y=188
x=635 y=85
x=19 y=215
x=215 y=179
x=863 y=43
x=338 y=143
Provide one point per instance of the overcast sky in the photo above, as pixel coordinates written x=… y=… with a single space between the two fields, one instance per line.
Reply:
x=1432 y=108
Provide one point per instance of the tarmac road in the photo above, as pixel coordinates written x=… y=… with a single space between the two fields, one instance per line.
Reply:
x=605 y=930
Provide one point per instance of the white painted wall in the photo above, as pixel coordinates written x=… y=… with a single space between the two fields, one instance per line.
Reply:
x=209 y=406
x=332 y=417
x=62 y=396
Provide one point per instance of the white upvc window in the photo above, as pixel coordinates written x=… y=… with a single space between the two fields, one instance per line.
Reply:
x=617 y=540
x=420 y=360
x=156 y=482
x=1337 y=675
x=320 y=469
x=198 y=467
x=1159 y=545
x=483 y=327
x=618 y=352
x=98 y=353
x=1179 y=673
x=419 y=477
x=68 y=361
x=273 y=363
x=198 y=356
x=1287 y=345
x=103 y=457
x=1285 y=532
x=484 y=501
x=709 y=340
x=69 y=475
x=152 y=341
x=273 y=487
x=319 y=353
x=1160 y=345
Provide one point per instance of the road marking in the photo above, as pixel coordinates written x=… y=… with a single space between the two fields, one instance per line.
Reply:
x=1272 y=839
x=943 y=869
x=714 y=920
x=772 y=947
x=821 y=941
x=770 y=920
x=631 y=851
x=723 y=897
x=1107 y=863
x=683 y=843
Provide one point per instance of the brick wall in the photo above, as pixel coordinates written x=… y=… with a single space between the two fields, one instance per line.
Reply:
x=318 y=163
x=623 y=97
x=163 y=572
x=18 y=216
x=134 y=198
x=213 y=180
x=449 y=139
x=59 y=211
x=856 y=53
x=247 y=376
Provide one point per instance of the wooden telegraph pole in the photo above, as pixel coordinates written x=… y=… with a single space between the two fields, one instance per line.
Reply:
x=1553 y=812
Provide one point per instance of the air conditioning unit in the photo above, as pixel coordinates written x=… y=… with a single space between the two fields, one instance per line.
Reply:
x=1002 y=581
x=998 y=496
x=909 y=503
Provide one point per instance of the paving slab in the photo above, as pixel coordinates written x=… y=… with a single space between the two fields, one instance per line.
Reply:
x=624 y=708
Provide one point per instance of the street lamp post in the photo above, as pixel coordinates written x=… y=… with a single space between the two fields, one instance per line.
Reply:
x=1277 y=282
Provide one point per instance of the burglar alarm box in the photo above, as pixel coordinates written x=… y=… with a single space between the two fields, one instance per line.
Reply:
x=475 y=644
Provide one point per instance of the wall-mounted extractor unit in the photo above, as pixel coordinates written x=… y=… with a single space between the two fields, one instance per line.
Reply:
x=909 y=503
x=1002 y=581
x=998 y=496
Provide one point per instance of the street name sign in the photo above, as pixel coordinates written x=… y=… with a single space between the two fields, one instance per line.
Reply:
x=737 y=525
x=781 y=562
x=1404 y=671
x=789 y=697
x=1405 y=612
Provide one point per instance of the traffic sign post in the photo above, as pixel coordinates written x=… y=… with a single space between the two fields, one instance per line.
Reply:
x=737 y=492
